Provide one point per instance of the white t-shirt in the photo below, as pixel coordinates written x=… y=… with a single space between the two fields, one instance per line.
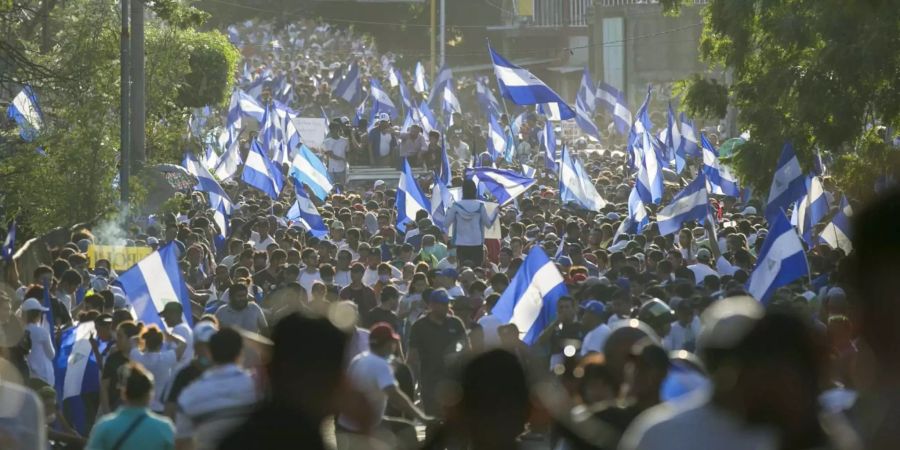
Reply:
x=462 y=151
x=184 y=331
x=338 y=148
x=262 y=245
x=40 y=358
x=371 y=275
x=595 y=339
x=306 y=279
x=489 y=326
x=385 y=148
x=701 y=271
x=342 y=278
x=371 y=374
x=445 y=264
x=160 y=364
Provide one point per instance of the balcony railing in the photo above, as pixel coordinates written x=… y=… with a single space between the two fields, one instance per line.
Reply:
x=561 y=13
x=611 y=3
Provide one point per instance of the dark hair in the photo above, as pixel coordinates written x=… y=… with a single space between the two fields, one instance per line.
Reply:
x=129 y=328
x=153 y=338
x=71 y=277
x=388 y=293
x=469 y=190
x=137 y=381
x=225 y=345
x=237 y=287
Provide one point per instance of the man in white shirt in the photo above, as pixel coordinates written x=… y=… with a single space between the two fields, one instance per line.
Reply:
x=592 y=320
x=458 y=148
x=683 y=335
x=702 y=269
x=490 y=324
x=173 y=315
x=263 y=239
x=372 y=374
x=310 y=273
x=217 y=403
x=335 y=146
x=40 y=358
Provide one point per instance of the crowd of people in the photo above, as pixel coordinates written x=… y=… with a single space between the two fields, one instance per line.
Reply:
x=381 y=336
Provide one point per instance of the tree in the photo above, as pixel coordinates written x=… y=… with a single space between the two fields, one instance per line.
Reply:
x=74 y=181
x=818 y=73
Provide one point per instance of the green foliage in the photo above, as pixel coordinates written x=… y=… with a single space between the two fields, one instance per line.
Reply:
x=74 y=182
x=702 y=97
x=813 y=72
x=176 y=14
x=213 y=61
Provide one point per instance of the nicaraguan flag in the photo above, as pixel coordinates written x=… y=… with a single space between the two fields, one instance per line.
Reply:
x=523 y=88
x=788 y=183
x=837 y=233
x=304 y=212
x=420 y=84
x=575 y=185
x=349 y=87
x=426 y=118
x=444 y=173
x=690 y=204
x=76 y=372
x=230 y=160
x=819 y=164
x=26 y=112
x=269 y=134
x=674 y=145
x=547 y=141
x=530 y=300
x=585 y=106
x=689 y=143
x=450 y=99
x=444 y=78
x=260 y=173
x=308 y=169
x=637 y=218
x=486 y=99
x=780 y=262
x=811 y=209
x=205 y=180
x=9 y=243
x=153 y=282
x=529 y=171
x=719 y=179
x=245 y=105
x=409 y=198
x=381 y=101
x=496 y=139
x=614 y=101
x=405 y=95
x=649 y=181
x=504 y=185
x=441 y=199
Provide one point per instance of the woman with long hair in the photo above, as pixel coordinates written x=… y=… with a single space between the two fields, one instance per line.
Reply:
x=469 y=218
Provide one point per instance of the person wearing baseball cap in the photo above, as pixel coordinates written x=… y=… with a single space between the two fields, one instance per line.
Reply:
x=594 y=319
x=201 y=334
x=372 y=374
x=40 y=358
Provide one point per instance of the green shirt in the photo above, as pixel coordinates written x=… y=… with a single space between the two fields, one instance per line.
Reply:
x=154 y=432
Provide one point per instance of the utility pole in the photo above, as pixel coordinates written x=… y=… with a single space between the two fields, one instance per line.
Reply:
x=433 y=20
x=443 y=32
x=124 y=106
x=138 y=99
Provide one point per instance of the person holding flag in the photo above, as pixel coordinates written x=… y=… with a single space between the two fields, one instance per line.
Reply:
x=468 y=219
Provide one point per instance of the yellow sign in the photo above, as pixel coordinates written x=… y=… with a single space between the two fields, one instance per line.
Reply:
x=119 y=256
x=525 y=7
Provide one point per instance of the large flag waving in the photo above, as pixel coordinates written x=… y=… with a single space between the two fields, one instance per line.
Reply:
x=76 y=372
x=504 y=185
x=530 y=300
x=9 y=242
x=523 y=88
x=308 y=169
x=780 y=262
x=26 y=112
x=690 y=204
x=410 y=198
x=304 y=212
x=837 y=233
x=788 y=183
x=575 y=185
x=261 y=173
x=153 y=282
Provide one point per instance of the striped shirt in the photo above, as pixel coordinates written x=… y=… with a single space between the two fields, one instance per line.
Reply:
x=215 y=404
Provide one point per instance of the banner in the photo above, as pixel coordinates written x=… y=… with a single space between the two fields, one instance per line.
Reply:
x=119 y=256
x=312 y=130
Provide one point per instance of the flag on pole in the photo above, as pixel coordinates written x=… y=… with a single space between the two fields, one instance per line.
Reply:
x=674 y=145
x=486 y=99
x=26 y=112
x=441 y=199
x=837 y=233
x=230 y=160
x=153 y=282
x=9 y=242
x=409 y=198
x=586 y=106
x=76 y=373
x=304 y=212
x=530 y=300
x=637 y=218
x=614 y=101
x=719 y=179
x=689 y=204
x=504 y=185
x=405 y=95
x=349 y=87
x=547 y=141
x=689 y=145
x=381 y=101
x=523 y=88
x=308 y=169
x=442 y=80
x=576 y=186
x=788 y=183
x=649 y=182
x=780 y=262
x=497 y=139
x=811 y=209
x=260 y=172
x=420 y=83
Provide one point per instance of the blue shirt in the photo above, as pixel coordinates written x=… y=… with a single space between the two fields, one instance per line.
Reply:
x=154 y=432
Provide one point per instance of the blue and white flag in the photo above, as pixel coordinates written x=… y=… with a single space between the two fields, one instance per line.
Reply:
x=270 y=133
x=811 y=209
x=444 y=174
x=585 y=106
x=420 y=84
x=649 y=181
x=230 y=160
x=243 y=104
x=9 y=243
x=689 y=142
x=486 y=99
x=689 y=204
x=523 y=88
x=219 y=201
x=260 y=172
x=451 y=100
x=819 y=164
x=406 y=96
x=26 y=112
x=780 y=262
x=153 y=282
x=304 y=212
x=349 y=87
x=410 y=199
x=576 y=185
x=76 y=372
x=674 y=144
x=547 y=140
x=497 y=142
x=308 y=169
x=504 y=185
x=210 y=157
x=837 y=233
x=529 y=171
x=719 y=179
x=426 y=118
x=640 y=126
x=530 y=300
x=637 y=218
x=614 y=101
x=441 y=199
x=443 y=79
x=788 y=183
x=381 y=101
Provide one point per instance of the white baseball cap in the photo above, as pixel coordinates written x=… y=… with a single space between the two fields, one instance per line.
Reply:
x=32 y=304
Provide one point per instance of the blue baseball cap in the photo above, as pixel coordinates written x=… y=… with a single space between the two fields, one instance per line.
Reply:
x=439 y=296
x=593 y=306
x=449 y=273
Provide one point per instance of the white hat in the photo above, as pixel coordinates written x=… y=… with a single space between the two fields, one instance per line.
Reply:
x=32 y=304
x=749 y=211
x=204 y=331
x=379 y=183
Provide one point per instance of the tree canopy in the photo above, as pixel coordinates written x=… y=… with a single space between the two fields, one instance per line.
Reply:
x=820 y=73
